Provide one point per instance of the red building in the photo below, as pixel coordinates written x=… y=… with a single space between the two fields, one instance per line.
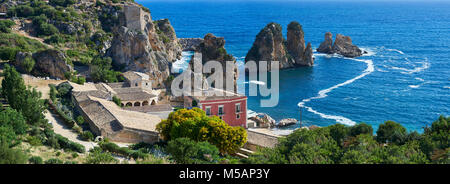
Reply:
x=231 y=107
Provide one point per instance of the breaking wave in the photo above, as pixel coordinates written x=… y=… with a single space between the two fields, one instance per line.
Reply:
x=324 y=93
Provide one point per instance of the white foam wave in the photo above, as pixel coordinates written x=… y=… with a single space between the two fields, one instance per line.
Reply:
x=323 y=93
x=370 y=52
x=419 y=79
x=424 y=65
x=414 y=86
x=182 y=64
x=447 y=87
x=395 y=50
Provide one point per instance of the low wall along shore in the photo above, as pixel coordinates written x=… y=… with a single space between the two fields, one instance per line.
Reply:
x=257 y=139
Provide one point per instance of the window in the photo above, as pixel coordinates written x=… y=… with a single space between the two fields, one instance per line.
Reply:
x=208 y=111
x=238 y=108
x=136 y=84
x=221 y=110
x=238 y=116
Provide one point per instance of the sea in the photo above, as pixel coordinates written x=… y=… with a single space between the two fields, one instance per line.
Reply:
x=404 y=77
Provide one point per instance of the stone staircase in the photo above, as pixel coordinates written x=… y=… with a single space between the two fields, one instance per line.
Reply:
x=244 y=153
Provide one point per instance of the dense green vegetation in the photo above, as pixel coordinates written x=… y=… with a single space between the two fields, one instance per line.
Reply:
x=24 y=120
x=79 y=31
x=196 y=125
x=357 y=145
x=187 y=151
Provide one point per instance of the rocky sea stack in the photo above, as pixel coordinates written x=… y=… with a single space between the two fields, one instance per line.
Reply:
x=342 y=45
x=213 y=49
x=270 y=45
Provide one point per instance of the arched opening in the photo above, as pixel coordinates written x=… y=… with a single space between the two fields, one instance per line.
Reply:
x=122 y=104
x=129 y=104
x=153 y=102
x=145 y=103
x=137 y=104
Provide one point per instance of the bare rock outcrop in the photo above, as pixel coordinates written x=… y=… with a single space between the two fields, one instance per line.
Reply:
x=47 y=63
x=327 y=45
x=270 y=45
x=287 y=122
x=296 y=45
x=213 y=49
x=139 y=44
x=342 y=45
x=263 y=121
x=190 y=44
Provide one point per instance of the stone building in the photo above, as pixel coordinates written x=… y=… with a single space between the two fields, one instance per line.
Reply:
x=131 y=122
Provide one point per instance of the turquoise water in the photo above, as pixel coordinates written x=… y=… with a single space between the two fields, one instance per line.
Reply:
x=404 y=78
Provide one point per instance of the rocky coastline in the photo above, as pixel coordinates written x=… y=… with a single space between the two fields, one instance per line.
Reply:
x=342 y=45
x=270 y=45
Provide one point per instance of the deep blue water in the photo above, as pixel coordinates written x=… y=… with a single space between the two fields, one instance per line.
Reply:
x=409 y=45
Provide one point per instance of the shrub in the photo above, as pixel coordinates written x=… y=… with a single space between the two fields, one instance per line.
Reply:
x=117 y=101
x=34 y=141
x=97 y=156
x=361 y=128
x=53 y=161
x=5 y=26
x=35 y=160
x=87 y=136
x=391 y=132
x=74 y=155
x=69 y=145
x=123 y=151
x=11 y=156
x=194 y=124
x=8 y=53
x=187 y=151
x=80 y=120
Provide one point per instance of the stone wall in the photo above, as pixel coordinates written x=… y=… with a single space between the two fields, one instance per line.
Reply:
x=258 y=139
x=134 y=16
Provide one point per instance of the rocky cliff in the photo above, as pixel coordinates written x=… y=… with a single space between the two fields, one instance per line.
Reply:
x=270 y=45
x=342 y=45
x=47 y=63
x=139 y=44
x=213 y=48
x=190 y=44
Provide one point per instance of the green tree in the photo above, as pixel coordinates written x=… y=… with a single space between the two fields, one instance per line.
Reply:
x=11 y=156
x=391 y=131
x=26 y=101
x=339 y=132
x=5 y=26
x=361 y=128
x=194 y=124
x=11 y=118
x=28 y=64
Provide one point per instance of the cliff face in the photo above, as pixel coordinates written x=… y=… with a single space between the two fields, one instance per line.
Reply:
x=139 y=44
x=190 y=44
x=342 y=45
x=270 y=45
x=47 y=63
x=296 y=45
x=212 y=48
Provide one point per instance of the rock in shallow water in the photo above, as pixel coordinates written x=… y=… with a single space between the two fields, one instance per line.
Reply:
x=342 y=45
